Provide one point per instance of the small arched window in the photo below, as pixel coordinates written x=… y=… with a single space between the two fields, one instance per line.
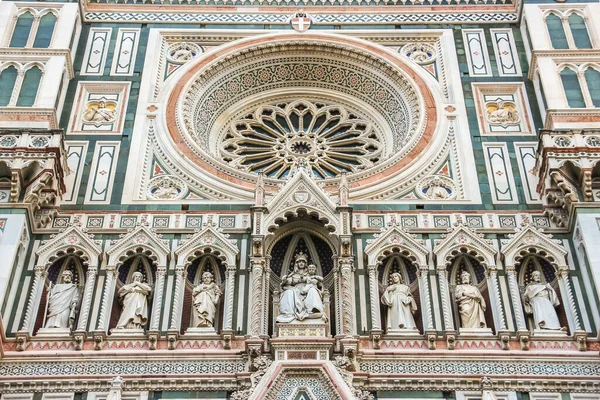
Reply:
x=556 y=31
x=8 y=77
x=22 y=29
x=43 y=37
x=592 y=78
x=29 y=88
x=579 y=32
x=572 y=88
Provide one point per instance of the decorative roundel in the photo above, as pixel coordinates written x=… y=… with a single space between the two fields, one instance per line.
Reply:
x=183 y=52
x=421 y=53
x=272 y=137
x=261 y=108
x=166 y=188
x=436 y=187
x=8 y=141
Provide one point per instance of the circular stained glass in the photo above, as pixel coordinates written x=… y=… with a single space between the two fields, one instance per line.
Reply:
x=273 y=137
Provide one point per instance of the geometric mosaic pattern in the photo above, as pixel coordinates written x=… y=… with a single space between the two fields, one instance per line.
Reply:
x=283 y=18
x=485 y=367
x=167 y=367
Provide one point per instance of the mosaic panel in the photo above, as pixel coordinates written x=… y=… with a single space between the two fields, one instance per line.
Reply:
x=104 y=164
x=2 y=224
x=502 y=182
x=61 y=222
x=128 y=222
x=95 y=222
x=76 y=152
x=4 y=195
x=474 y=221
x=441 y=222
x=507 y=221
x=409 y=222
x=478 y=58
x=160 y=222
x=507 y=57
x=226 y=222
x=541 y=222
x=193 y=222
x=125 y=52
x=95 y=51
x=376 y=221
x=525 y=152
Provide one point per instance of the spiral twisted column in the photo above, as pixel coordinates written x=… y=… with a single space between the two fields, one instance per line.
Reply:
x=257 y=305
x=178 y=297
x=229 y=285
x=423 y=273
x=374 y=294
x=513 y=286
x=347 y=288
x=493 y=283
x=568 y=295
x=88 y=291
x=158 y=295
x=109 y=291
x=37 y=288
x=443 y=282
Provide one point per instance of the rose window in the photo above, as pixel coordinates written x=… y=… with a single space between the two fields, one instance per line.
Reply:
x=272 y=138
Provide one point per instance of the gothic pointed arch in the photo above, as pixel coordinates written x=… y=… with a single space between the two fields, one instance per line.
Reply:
x=142 y=238
x=393 y=239
x=530 y=237
x=301 y=195
x=462 y=237
x=74 y=237
x=209 y=239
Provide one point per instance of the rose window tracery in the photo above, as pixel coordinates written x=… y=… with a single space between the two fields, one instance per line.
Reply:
x=273 y=137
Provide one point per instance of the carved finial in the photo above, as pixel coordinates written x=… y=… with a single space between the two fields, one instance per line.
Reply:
x=259 y=192
x=116 y=386
x=343 y=190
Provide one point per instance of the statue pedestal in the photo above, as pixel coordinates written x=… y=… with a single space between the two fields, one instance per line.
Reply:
x=307 y=340
x=53 y=333
x=549 y=334
x=205 y=331
x=122 y=332
x=474 y=332
x=404 y=333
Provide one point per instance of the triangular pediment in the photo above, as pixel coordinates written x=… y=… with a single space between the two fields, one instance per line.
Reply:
x=72 y=237
x=301 y=192
x=212 y=238
x=395 y=236
x=462 y=236
x=141 y=236
x=531 y=237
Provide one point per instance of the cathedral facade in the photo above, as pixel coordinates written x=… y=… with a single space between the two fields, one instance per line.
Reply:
x=248 y=199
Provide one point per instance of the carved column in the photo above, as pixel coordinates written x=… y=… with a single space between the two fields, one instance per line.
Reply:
x=497 y=298
x=88 y=291
x=257 y=265
x=446 y=308
x=37 y=289
x=374 y=294
x=109 y=292
x=567 y=295
x=347 y=299
x=158 y=295
x=229 y=287
x=513 y=286
x=423 y=273
x=178 y=298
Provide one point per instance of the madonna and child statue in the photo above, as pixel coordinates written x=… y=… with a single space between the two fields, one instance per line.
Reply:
x=301 y=294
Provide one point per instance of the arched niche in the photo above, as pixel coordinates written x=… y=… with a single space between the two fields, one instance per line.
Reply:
x=400 y=262
x=531 y=260
x=471 y=262
x=203 y=262
x=65 y=261
x=307 y=236
x=137 y=261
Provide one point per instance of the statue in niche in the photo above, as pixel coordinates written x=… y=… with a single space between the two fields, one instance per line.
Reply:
x=62 y=303
x=401 y=304
x=99 y=114
x=301 y=293
x=134 y=297
x=540 y=299
x=206 y=297
x=471 y=304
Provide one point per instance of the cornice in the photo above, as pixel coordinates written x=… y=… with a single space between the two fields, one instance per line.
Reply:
x=563 y=55
x=34 y=54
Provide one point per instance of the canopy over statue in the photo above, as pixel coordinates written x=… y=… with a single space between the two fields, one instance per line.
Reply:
x=301 y=293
